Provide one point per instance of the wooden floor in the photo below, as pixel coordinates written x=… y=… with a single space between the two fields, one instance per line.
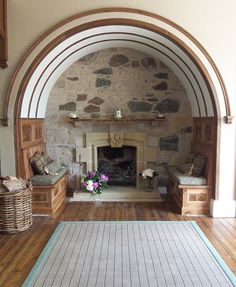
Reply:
x=19 y=252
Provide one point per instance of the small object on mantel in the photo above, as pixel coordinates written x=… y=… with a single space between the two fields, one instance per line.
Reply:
x=118 y=114
x=160 y=116
x=73 y=116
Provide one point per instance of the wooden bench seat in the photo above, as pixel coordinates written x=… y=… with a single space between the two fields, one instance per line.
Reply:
x=46 y=198
x=190 y=199
x=193 y=197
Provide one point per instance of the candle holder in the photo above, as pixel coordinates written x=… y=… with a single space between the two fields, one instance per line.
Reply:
x=118 y=113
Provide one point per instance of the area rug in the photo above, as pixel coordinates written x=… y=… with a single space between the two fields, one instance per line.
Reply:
x=129 y=253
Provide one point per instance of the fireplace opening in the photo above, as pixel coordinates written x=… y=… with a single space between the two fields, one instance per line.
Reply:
x=118 y=163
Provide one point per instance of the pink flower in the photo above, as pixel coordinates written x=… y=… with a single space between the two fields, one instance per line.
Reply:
x=95 y=185
x=92 y=173
x=104 y=178
x=84 y=184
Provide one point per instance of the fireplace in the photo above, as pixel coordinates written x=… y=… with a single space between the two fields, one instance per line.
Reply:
x=129 y=152
x=118 y=163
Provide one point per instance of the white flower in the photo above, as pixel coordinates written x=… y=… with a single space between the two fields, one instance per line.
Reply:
x=89 y=185
x=147 y=172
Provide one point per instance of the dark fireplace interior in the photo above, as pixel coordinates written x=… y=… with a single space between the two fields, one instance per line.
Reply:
x=119 y=164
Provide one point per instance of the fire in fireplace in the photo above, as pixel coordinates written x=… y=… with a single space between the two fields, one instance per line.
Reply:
x=118 y=163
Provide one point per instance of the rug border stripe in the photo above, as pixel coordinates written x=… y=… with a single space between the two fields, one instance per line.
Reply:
x=214 y=252
x=55 y=234
x=44 y=253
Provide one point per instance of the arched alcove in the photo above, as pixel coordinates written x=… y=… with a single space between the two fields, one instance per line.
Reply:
x=91 y=31
x=81 y=43
x=141 y=86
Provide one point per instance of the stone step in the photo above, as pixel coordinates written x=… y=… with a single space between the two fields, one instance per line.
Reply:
x=117 y=193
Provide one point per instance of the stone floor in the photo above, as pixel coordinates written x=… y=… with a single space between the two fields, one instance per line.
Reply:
x=118 y=193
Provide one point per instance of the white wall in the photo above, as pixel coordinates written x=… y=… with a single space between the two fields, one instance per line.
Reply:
x=211 y=22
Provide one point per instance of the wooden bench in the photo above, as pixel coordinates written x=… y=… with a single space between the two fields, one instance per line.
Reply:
x=46 y=199
x=193 y=199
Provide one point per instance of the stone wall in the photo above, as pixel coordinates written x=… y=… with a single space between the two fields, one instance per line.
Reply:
x=118 y=78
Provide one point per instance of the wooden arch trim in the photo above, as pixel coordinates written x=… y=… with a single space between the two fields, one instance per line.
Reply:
x=137 y=23
x=121 y=21
x=3 y=35
x=101 y=23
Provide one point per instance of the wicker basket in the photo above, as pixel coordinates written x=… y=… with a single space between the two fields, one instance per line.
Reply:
x=15 y=211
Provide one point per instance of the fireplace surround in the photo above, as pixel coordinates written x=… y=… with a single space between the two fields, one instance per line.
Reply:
x=88 y=155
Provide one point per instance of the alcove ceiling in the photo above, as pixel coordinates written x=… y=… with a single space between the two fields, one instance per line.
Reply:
x=91 y=32
x=92 y=40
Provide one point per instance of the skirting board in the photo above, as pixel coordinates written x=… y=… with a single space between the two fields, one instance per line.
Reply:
x=223 y=208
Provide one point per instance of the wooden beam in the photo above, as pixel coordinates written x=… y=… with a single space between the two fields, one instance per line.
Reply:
x=3 y=35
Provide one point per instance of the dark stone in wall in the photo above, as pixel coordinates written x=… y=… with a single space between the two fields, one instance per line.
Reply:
x=139 y=106
x=161 y=75
x=149 y=62
x=169 y=143
x=118 y=60
x=86 y=60
x=161 y=87
x=71 y=106
x=104 y=71
x=81 y=97
x=167 y=106
x=153 y=100
x=96 y=101
x=101 y=82
x=92 y=109
x=135 y=64
x=73 y=79
x=150 y=97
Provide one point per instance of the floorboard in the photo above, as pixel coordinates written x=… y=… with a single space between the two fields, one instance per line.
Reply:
x=18 y=252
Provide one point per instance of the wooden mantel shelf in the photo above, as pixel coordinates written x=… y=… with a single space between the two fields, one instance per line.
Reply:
x=76 y=121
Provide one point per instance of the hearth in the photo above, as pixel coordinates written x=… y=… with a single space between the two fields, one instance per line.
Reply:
x=118 y=163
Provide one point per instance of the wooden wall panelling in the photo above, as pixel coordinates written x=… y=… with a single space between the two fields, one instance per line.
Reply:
x=28 y=142
x=30 y=132
x=3 y=34
x=204 y=130
x=204 y=142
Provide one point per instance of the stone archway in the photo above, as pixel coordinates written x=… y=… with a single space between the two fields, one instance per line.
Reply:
x=120 y=27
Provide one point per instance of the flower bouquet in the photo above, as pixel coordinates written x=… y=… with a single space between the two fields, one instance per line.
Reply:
x=94 y=181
